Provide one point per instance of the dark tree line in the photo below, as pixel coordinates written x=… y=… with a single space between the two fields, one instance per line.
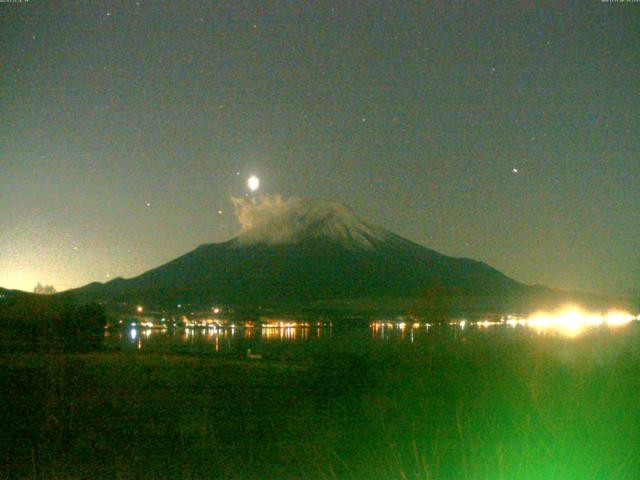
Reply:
x=47 y=324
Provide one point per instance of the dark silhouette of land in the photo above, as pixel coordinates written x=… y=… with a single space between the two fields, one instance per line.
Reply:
x=331 y=260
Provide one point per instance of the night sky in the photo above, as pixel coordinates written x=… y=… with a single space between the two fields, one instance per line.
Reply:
x=508 y=132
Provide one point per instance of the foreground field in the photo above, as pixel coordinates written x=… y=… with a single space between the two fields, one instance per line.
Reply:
x=478 y=407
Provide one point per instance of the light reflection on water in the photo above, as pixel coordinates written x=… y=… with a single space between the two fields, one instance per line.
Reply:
x=218 y=339
x=295 y=338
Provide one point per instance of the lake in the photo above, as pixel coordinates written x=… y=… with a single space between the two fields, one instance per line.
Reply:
x=291 y=339
x=382 y=399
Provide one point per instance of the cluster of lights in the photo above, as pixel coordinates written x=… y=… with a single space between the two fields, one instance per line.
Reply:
x=208 y=323
x=282 y=333
x=221 y=324
x=571 y=321
x=292 y=324
x=285 y=324
x=399 y=325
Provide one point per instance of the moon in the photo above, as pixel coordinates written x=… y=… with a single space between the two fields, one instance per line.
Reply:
x=253 y=183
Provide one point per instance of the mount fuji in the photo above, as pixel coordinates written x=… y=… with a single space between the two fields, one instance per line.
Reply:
x=307 y=252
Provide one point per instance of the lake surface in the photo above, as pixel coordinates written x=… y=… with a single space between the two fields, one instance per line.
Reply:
x=293 y=342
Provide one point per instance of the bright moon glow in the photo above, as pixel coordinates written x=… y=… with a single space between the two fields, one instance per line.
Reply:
x=253 y=183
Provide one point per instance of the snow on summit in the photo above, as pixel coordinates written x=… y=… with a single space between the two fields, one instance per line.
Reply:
x=273 y=220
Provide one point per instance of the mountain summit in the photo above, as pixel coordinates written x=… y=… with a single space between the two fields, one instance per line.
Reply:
x=297 y=251
x=278 y=222
x=320 y=220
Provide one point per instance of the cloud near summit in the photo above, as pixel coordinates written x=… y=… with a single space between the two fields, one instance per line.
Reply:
x=263 y=219
x=252 y=213
x=272 y=220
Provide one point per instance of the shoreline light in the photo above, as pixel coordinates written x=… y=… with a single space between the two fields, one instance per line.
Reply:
x=571 y=320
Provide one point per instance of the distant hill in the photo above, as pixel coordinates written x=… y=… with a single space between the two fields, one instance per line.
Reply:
x=6 y=293
x=320 y=254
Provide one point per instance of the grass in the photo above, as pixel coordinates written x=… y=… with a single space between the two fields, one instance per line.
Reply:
x=485 y=406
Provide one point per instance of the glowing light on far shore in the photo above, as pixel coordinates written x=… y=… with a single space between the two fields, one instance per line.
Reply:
x=139 y=309
x=253 y=183
x=571 y=321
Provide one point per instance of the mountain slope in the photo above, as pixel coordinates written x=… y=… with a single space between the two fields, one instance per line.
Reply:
x=6 y=293
x=303 y=252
